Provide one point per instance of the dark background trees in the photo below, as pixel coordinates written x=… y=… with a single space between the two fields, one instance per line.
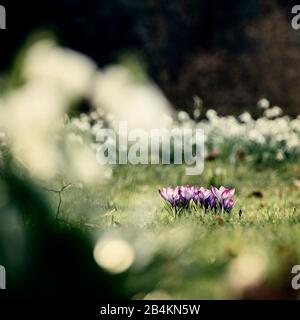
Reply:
x=230 y=53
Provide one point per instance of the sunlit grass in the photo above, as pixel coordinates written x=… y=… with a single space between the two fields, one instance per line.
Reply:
x=191 y=256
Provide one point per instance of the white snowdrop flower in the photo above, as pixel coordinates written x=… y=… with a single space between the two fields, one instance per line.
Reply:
x=295 y=125
x=72 y=72
x=280 y=155
x=196 y=113
x=273 y=112
x=271 y=132
x=84 y=117
x=31 y=116
x=279 y=137
x=140 y=104
x=293 y=141
x=75 y=122
x=188 y=124
x=245 y=117
x=95 y=128
x=81 y=125
x=257 y=137
x=74 y=138
x=94 y=115
x=85 y=126
x=230 y=127
x=277 y=110
x=263 y=103
x=183 y=116
x=211 y=114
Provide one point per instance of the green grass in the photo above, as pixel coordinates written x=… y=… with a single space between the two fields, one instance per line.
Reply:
x=198 y=255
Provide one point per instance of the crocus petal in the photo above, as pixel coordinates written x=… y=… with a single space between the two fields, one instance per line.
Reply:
x=227 y=193
x=228 y=204
x=216 y=192
x=206 y=192
x=163 y=193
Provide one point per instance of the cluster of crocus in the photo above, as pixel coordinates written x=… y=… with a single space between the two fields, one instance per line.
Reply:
x=213 y=198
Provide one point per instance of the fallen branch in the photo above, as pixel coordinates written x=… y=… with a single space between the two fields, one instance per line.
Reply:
x=59 y=192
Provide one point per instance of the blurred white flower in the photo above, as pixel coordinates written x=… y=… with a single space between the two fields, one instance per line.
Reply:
x=280 y=155
x=31 y=116
x=273 y=112
x=81 y=124
x=257 y=137
x=293 y=141
x=196 y=113
x=74 y=138
x=114 y=255
x=295 y=124
x=141 y=104
x=263 y=103
x=183 y=116
x=70 y=71
x=245 y=117
x=211 y=114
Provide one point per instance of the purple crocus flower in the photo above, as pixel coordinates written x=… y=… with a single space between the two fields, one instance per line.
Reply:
x=211 y=202
x=181 y=196
x=186 y=193
x=171 y=195
x=228 y=204
x=198 y=196
x=222 y=193
x=224 y=197
x=208 y=199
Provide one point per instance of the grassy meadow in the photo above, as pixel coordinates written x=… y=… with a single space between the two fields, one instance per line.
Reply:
x=248 y=253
